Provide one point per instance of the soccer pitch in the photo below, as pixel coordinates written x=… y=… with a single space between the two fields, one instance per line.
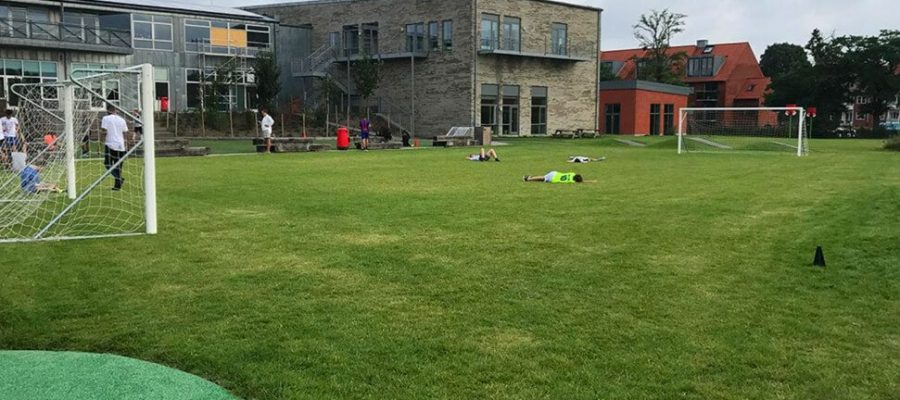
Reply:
x=417 y=274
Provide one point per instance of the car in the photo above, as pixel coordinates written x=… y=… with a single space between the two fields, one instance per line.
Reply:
x=891 y=125
x=844 y=131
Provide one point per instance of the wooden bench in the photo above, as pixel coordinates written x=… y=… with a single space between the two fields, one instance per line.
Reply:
x=565 y=134
x=588 y=133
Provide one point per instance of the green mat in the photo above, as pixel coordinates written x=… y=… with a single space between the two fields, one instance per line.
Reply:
x=45 y=375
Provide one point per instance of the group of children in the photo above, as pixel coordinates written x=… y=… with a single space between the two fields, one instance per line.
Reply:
x=550 y=177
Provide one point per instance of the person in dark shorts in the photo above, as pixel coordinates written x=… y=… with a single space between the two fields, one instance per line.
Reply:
x=484 y=156
x=364 y=133
x=116 y=128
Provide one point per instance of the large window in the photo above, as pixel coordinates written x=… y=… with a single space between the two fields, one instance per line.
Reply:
x=220 y=37
x=654 y=119
x=161 y=82
x=538 y=110
x=434 y=43
x=669 y=119
x=510 y=110
x=152 y=32
x=370 y=38
x=489 y=95
x=559 y=40
x=25 y=71
x=415 y=37
x=700 y=66
x=448 y=34
x=490 y=25
x=109 y=89
x=240 y=94
x=613 y=118
x=512 y=35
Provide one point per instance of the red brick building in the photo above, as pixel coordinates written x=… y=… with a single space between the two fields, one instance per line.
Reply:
x=640 y=107
x=720 y=75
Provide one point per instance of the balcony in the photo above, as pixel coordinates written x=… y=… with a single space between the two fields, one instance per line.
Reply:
x=210 y=49
x=546 y=50
x=24 y=33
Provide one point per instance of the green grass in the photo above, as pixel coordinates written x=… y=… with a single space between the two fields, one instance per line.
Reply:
x=416 y=274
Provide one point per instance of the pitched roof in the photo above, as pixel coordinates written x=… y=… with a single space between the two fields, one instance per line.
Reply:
x=727 y=51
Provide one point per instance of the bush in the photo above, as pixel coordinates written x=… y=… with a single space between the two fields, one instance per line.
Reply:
x=893 y=143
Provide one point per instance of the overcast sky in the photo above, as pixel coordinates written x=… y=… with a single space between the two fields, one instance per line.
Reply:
x=761 y=22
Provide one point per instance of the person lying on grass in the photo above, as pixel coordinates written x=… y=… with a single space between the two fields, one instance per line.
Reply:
x=583 y=159
x=482 y=156
x=556 y=177
x=30 y=178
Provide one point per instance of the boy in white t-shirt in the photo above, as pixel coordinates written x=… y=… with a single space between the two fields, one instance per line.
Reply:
x=12 y=140
x=115 y=128
x=266 y=127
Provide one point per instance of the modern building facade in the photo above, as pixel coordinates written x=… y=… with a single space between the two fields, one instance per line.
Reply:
x=44 y=41
x=641 y=107
x=721 y=75
x=522 y=67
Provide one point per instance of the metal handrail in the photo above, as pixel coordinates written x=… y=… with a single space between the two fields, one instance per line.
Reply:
x=548 y=48
x=66 y=32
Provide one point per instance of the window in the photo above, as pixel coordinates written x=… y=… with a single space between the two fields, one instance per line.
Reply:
x=510 y=110
x=370 y=38
x=700 y=66
x=706 y=94
x=538 y=110
x=669 y=119
x=559 y=41
x=240 y=94
x=220 y=37
x=489 y=31
x=613 y=118
x=511 y=33
x=448 y=34
x=415 y=37
x=351 y=39
x=161 y=80
x=654 y=119
x=19 y=71
x=196 y=34
x=434 y=43
x=894 y=115
x=489 y=95
x=152 y=32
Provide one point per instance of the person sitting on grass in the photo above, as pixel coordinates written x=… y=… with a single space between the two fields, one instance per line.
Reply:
x=555 y=177
x=30 y=178
x=483 y=156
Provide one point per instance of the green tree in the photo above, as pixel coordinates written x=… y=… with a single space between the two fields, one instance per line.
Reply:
x=654 y=32
x=781 y=59
x=367 y=77
x=606 y=72
x=875 y=62
x=266 y=73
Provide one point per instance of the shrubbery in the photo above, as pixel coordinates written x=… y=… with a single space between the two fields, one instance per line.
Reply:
x=893 y=143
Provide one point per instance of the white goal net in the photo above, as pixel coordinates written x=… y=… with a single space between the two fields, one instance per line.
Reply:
x=774 y=129
x=58 y=177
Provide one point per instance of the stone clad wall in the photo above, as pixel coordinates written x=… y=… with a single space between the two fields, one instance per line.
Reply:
x=572 y=102
x=443 y=80
x=447 y=84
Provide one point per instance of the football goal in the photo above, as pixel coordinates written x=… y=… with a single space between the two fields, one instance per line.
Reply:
x=777 y=129
x=60 y=180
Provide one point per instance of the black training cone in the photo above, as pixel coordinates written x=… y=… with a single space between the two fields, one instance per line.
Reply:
x=819 y=260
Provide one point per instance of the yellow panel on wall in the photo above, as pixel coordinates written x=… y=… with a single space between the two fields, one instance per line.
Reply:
x=228 y=37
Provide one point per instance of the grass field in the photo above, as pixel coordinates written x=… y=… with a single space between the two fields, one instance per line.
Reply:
x=416 y=274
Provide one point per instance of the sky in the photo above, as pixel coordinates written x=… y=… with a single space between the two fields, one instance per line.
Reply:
x=760 y=22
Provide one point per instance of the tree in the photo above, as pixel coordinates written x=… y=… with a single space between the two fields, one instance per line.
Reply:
x=654 y=32
x=266 y=74
x=606 y=72
x=783 y=58
x=367 y=77
x=875 y=62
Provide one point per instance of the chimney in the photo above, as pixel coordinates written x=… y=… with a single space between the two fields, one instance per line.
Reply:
x=701 y=44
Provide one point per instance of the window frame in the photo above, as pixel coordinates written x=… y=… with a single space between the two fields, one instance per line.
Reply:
x=505 y=41
x=446 y=44
x=493 y=33
x=554 y=39
x=153 y=29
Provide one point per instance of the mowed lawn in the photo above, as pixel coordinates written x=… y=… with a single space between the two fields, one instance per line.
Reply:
x=416 y=274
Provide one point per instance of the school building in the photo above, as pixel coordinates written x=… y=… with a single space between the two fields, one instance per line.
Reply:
x=521 y=67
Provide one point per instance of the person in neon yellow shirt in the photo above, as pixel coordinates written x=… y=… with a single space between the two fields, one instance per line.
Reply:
x=555 y=177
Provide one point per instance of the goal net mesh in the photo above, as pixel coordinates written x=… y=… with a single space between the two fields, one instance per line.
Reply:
x=38 y=197
x=717 y=130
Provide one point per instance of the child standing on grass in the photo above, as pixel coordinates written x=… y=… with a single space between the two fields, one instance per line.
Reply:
x=266 y=127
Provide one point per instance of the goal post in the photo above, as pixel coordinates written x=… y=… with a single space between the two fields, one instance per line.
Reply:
x=721 y=129
x=58 y=189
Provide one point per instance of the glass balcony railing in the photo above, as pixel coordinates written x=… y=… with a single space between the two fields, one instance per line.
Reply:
x=66 y=33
